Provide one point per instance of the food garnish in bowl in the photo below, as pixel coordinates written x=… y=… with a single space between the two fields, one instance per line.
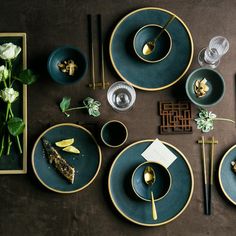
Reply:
x=68 y=67
x=200 y=87
x=233 y=163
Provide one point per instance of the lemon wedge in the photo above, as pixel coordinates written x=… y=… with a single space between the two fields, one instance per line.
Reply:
x=71 y=149
x=65 y=143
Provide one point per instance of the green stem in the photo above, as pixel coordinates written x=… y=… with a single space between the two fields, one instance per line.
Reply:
x=224 y=119
x=7 y=112
x=2 y=145
x=9 y=137
x=3 y=132
x=10 y=72
x=17 y=137
x=5 y=84
x=11 y=112
x=76 y=108
x=18 y=143
x=9 y=145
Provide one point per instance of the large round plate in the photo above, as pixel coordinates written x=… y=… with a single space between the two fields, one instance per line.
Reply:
x=227 y=177
x=86 y=164
x=147 y=76
x=138 y=211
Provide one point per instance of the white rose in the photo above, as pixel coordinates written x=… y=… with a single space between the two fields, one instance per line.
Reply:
x=3 y=73
x=9 y=95
x=9 y=51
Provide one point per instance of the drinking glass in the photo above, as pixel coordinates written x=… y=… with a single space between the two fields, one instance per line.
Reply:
x=211 y=55
x=121 y=96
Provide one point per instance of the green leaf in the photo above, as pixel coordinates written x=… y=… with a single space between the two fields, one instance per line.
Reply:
x=95 y=113
x=87 y=101
x=65 y=104
x=15 y=126
x=27 y=77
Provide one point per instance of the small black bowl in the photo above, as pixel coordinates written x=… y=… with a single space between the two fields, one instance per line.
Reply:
x=60 y=55
x=114 y=133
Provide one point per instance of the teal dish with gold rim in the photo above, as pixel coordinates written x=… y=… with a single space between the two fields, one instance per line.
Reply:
x=215 y=83
x=160 y=187
x=62 y=54
x=86 y=164
x=150 y=76
x=162 y=46
x=227 y=177
x=137 y=210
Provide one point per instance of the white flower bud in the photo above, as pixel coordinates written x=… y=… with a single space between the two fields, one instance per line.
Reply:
x=9 y=51
x=3 y=73
x=9 y=95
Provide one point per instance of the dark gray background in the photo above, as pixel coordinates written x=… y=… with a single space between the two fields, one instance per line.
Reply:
x=26 y=207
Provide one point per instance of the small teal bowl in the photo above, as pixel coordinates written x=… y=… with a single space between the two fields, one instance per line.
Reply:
x=215 y=82
x=163 y=44
x=66 y=53
x=160 y=187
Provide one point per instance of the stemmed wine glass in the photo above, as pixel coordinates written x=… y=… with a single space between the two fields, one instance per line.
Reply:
x=211 y=55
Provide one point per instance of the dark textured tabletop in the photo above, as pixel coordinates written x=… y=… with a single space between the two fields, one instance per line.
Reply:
x=26 y=207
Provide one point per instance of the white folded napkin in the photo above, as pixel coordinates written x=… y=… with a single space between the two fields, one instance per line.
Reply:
x=158 y=152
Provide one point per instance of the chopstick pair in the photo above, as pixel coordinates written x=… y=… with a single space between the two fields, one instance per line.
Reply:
x=208 y=187
x=103 y=84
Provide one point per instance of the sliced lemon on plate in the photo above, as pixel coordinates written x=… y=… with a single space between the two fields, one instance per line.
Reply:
x=65 y=142
x=71 y=149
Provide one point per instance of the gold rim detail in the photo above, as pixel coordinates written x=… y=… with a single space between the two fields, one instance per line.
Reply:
x=219 y=175
x=167 y=221
x=137 y=86
x=76 y=126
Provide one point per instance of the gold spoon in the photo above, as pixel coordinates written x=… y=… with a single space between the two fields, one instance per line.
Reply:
x=148 y=47
x=150 y=178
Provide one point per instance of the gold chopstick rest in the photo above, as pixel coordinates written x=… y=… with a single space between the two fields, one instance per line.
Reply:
x=99 y=85
x=208 y=142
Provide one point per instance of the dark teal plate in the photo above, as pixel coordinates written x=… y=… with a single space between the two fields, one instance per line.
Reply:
x=86 y=164
x=227 y=177
x=137 y=210
x=143 y=75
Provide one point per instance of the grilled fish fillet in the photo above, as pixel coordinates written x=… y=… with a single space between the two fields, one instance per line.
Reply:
x=58 y=162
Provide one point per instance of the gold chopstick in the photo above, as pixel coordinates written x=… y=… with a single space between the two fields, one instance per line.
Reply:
x=206 y=200
x=211 y=173
x=90 y=31
x=103 y=84
x=208 y=191
x=99 y=18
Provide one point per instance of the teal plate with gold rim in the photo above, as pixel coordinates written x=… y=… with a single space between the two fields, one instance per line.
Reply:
x=227 y=177
x=149 y=76
x=86 y=164
x=137 y=210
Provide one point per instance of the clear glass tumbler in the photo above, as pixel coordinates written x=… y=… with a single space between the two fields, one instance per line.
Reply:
x=121 y=96
x=211 y=55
